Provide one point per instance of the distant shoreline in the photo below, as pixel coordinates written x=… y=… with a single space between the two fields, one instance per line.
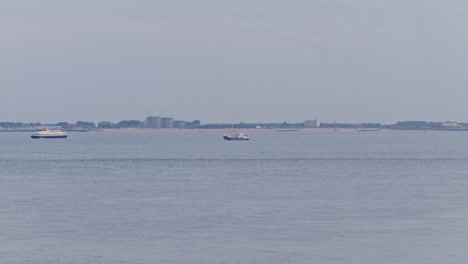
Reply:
x=190 y=129
x=243 y=129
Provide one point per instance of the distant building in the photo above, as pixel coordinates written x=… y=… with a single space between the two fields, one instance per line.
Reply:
x=167 y=122
x=450 y=124
x=152 y=122
x=179 y=124
x=312 y=123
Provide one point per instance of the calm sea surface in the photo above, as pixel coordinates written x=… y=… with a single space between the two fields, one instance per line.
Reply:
x=190 y=197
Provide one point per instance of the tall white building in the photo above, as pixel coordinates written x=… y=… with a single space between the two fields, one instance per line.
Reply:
x=153 y=122
x=312 y=123
x=167 y=122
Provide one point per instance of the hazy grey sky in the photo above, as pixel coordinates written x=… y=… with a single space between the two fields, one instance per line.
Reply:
x=234 y=61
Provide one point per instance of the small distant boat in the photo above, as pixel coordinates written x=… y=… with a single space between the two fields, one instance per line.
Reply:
x=47 y=133
x=233 y=135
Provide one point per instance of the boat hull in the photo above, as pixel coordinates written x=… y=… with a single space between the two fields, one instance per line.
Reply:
x=55 y=136
x=234 y=138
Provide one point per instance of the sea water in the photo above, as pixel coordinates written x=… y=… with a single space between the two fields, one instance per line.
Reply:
x=191 y=197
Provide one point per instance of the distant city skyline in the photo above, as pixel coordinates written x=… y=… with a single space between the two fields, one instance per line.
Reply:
x=309 y=119
x=242 y=61
x=169 y=122
x=155 y=122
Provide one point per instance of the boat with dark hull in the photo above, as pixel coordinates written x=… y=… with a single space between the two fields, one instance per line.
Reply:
x=47 y=133
x=233 y=135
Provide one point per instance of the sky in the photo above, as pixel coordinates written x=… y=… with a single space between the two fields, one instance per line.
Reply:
x=219 y=61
